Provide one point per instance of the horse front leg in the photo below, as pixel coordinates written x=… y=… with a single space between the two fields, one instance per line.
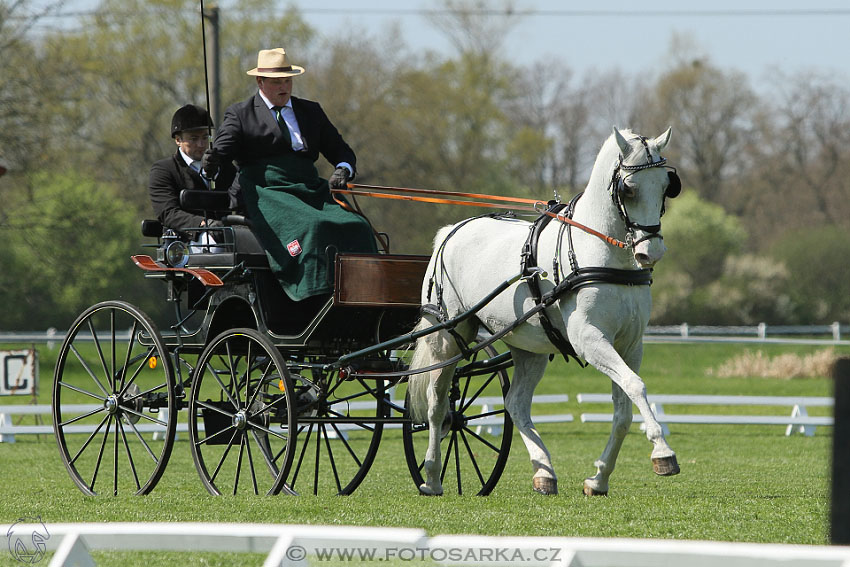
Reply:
x=604 y=357
x=528 y=370
x=597 y=485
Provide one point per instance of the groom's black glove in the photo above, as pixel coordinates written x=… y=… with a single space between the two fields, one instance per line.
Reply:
x=210 y=163
x=340 y=178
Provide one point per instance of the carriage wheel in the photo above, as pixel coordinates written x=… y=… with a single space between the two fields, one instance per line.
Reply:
x=339 y=430
x=241 y=415
x=477 y=444
x=114 y=409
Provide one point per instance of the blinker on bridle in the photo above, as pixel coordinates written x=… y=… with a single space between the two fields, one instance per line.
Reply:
x=617 y=187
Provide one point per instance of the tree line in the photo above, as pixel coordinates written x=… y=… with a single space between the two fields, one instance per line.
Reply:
x=759 y=234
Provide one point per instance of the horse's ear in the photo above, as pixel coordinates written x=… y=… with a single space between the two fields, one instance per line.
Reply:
x=622 y=143
x=661 y=141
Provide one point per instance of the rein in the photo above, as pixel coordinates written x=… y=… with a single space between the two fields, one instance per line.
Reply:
x=492 y=201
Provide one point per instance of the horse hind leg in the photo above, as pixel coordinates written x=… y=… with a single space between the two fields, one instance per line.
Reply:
x=597 y=485
x=528 y=370
x=428 y=397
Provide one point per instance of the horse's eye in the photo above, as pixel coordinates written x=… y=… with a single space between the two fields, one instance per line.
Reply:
x=628 y=190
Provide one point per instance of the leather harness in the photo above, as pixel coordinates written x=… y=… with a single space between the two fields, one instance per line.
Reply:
x=575 y=280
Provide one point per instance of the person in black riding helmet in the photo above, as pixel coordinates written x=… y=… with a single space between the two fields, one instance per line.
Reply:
x=190 y=128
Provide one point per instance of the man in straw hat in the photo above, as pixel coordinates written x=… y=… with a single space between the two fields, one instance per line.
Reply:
x=275 y=139
x=190 y=126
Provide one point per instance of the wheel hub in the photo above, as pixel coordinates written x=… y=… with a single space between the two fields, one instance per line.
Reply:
x=240 y=420
x=111 y=404
x=457 y=419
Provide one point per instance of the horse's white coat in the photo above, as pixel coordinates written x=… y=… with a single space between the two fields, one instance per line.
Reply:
x=605 y=322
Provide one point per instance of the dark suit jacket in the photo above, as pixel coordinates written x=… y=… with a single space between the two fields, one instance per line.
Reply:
x=171 y=175
x=250 y=133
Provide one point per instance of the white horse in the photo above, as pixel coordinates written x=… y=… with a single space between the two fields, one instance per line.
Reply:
x=604 y=322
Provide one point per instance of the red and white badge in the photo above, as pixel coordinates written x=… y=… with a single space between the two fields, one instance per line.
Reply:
x=294 y=248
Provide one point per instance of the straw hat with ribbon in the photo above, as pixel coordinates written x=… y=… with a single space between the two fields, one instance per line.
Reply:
x=273 y=63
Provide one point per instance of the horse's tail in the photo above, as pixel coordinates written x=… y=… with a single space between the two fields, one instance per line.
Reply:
x=417 y=384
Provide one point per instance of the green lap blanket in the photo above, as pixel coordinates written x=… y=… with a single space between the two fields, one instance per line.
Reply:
x=296 y=219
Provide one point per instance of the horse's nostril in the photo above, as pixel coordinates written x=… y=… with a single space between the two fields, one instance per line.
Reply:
x=643 y=259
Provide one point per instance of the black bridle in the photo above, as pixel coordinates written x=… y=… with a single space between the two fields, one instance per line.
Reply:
x=617 y=188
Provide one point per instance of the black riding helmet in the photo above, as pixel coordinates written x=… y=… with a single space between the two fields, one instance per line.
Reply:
x=190 y=117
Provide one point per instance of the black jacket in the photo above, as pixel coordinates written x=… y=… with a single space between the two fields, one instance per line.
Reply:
x=250 y=133
x=171 y=175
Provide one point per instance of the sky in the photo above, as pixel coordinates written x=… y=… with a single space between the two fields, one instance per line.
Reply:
x=756 y=37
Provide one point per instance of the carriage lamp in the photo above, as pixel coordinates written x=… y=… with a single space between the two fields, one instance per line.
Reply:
x=176 y=254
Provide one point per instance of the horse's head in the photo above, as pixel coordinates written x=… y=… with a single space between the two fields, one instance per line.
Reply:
x=639 y=185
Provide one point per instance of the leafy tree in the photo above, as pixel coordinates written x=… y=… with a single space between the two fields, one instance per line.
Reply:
x=819 y=282
x=711 y=111
x=700 y=236
x=133 y=62
x=69 y=247
x=752 y=290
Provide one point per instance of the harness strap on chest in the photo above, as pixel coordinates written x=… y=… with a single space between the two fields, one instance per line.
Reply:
x=529 y=262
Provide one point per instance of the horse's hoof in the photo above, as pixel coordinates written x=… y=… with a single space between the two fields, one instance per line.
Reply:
x=425 y=491
x=590 y=491
x=665 y=466
x=545 y=485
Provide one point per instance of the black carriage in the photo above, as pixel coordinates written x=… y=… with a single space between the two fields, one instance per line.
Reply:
x=281 y=396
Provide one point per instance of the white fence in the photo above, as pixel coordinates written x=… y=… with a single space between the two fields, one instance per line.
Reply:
x=300 y=545
x=654 y=333
x=799 y=419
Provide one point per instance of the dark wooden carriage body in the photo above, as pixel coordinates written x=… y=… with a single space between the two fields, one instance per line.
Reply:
x=269 y=410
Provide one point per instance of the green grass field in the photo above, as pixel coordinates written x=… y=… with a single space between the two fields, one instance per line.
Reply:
x=737 y=483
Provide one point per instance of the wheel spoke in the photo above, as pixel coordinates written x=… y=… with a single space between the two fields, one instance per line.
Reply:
x=251 y=464
x=264 y=452
x=239 y=463
x=89 y=440
x=130 y=457
x=233 y=381
x=346 y=444
x=481 y=439
x=260 y=384
x=448 y=454
x=469 y=401
x=471 y=418
x=331 y=459
x=457 y=464
x=472 y=458
x=224 y=456
x=144 y=443
x=301 y=455
x=143 y=416
x=129 y=352
x=88 y=370
x=100 y=453
x=115 y=460
x=112 y=380
x=141 y=360
x=318 y=455
x=83 y=416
